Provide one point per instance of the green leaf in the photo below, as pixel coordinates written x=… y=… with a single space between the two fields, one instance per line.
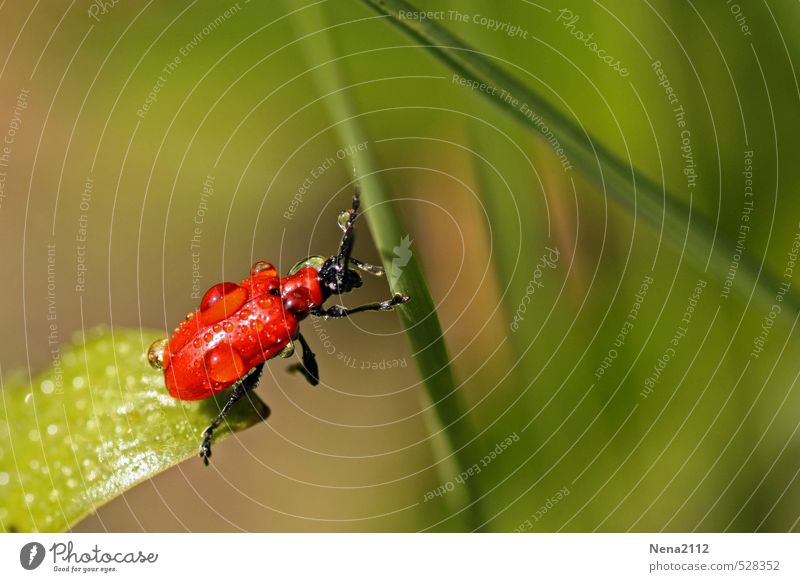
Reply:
x=93 y=425
x=637 y=193
x=419 y=315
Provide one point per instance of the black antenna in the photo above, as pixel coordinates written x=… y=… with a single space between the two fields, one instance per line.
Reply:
x=346 y=221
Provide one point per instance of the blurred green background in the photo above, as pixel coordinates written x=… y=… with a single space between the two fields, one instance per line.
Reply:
x=712 y=447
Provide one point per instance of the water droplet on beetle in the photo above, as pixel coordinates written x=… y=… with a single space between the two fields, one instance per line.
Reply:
x=315 y=262
x=263 y=269
x=287 y=351
x=221 y=301
x=224 y=364
x=157 y=355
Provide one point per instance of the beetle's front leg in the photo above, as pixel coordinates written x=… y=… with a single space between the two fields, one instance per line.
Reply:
x=337 y=311
x=241 y=388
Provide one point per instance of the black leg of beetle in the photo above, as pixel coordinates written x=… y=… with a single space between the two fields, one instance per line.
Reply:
x=241 y=388
x=308 y=368
x=339 y=311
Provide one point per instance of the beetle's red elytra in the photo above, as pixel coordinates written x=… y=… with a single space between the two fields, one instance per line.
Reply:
x=237 y=327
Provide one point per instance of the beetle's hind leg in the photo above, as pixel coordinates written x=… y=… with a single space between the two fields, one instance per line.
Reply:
x=241 y=388
x=309 y=368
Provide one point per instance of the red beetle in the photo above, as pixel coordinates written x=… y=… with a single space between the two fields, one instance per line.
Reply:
x=226 y=341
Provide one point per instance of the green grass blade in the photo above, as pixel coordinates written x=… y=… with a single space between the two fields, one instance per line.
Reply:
x=92 y=426
x=634 y=191
x=419 y=315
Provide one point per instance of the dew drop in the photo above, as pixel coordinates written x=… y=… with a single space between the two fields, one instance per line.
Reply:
x=208 y=337
x=222 y=300
x=263 y=269
x=157 y=355
x=344 y=218
x=217 y=328
x=287 y=351
x=52 y=429
x=315 y=262
x=227 y=326
x=48 y=386
x=78 y=382
x=224 y=364
x=29 y=498
x=4 y=478
x=197 y=343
